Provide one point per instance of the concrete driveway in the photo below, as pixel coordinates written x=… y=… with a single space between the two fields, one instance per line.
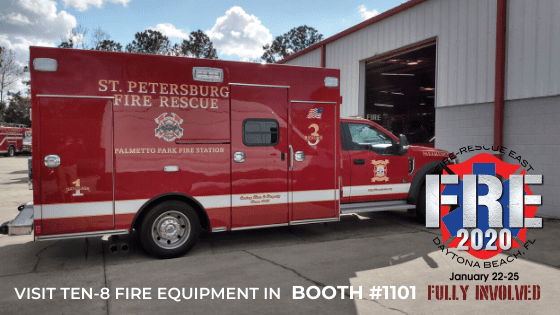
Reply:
x=381 y=249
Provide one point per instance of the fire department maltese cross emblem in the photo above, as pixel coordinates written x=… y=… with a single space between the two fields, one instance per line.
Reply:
x=380 y=170
x=169 y=127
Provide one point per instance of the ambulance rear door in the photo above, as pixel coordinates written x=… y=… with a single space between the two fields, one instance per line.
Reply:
x=76 y=173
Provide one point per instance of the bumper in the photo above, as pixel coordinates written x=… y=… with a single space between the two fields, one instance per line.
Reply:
x=22 y=224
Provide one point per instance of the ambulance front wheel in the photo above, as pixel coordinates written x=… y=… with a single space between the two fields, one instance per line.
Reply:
x=11 y=151
x=170 y=229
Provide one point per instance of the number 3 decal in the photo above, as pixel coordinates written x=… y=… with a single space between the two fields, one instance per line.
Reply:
x=314 y=135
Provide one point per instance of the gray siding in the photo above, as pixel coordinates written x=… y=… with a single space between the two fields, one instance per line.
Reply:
x=310 y=59
x=533 y=46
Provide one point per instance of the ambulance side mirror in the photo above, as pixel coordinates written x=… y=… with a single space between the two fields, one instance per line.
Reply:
x=402 y=147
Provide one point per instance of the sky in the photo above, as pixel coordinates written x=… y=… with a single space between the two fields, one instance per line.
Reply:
x=238 y=29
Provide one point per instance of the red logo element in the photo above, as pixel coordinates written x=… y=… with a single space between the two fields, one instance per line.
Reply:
x=452 y=221
x=169 y=127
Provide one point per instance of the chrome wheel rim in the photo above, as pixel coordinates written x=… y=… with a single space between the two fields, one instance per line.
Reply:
x=171 y=229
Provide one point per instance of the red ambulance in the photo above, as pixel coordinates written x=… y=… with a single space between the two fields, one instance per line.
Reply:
x=171 y=146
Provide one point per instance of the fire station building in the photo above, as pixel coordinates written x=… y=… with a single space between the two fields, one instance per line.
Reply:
x=454 y=74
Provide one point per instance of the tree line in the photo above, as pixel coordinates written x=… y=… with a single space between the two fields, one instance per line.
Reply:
x=198 y=45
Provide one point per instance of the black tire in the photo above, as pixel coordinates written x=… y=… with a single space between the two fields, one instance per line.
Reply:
x=421 y=205
x=11 y=151
x=170 y=229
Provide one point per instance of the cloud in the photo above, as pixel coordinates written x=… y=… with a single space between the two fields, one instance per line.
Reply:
x=25 y=23
x=367 y=14
x=82 y=5
x=17 y=19
x=241 y=34
x=169 y=30
x=20 y=47
x=35 y=19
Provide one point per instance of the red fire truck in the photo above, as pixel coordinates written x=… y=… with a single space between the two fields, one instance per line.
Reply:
x=170 y=146
x=11 y=138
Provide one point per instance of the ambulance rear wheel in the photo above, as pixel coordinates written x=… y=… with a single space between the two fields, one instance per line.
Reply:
x=11 y=151
x=170 y=229
x=421 y=205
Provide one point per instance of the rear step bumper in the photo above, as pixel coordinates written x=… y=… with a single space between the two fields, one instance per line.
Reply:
x=22 y=224
x=375 y=206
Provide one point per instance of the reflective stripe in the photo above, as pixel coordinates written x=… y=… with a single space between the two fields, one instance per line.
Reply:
x=9 y=138
x=209 y=202
x=368 y=190
x=129 y=206
x=69 y=210
x=315 y=195
x=37 y=212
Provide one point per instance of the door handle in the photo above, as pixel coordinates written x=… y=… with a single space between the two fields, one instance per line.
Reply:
x=239 y=157
x=359 y=162
x=52 y=161
x=291 y=157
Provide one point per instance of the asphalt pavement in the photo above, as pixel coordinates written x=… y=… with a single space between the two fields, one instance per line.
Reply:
x=368 y=251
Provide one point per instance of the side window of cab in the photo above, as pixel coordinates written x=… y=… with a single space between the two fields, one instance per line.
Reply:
x=364 y=137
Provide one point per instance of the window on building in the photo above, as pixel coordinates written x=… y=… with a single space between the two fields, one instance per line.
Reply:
x=260 y=132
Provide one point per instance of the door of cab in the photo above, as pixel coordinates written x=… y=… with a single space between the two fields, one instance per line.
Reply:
x=377 y=172
x=259 y=142
x=77 y=191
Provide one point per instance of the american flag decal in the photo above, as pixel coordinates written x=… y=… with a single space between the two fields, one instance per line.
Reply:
x=315 y=113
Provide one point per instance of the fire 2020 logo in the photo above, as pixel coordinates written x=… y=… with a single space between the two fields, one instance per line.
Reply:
x=485 y=205
x=169 y=127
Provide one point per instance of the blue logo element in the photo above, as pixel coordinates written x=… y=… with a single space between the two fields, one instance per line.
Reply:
x=454 y=220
